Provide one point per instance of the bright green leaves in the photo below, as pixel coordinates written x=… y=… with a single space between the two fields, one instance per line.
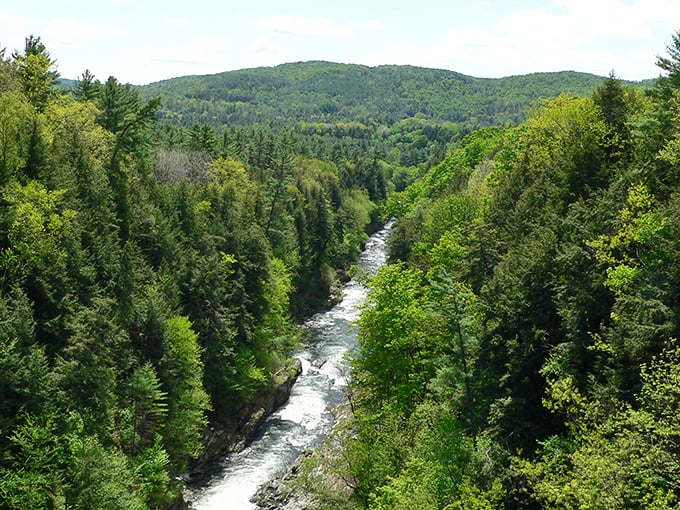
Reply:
x=277 y=294
x=101 y=478
x=37 y=73
x=413 y=392
x=634 y=256
x=230 y=178
x=228 y=172
x=634 y=245
x=660 y=397
x=392 y=337
x=565 y=127
x=16 y=119
x=560 y=156
x=415 y=487
x=623 y=458
x=39 y=230
x=182 y=375
x=77 y=140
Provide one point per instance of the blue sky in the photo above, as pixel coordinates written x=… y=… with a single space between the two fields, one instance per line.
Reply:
x=142 y=41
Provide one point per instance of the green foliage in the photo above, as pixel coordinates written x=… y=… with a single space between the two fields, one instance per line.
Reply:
x=182 y=376
x=149 y=407
x=151 y=275
x=671 y=63
x=38 y=231
x=304 y=91
x=150 y=280
x=392 y=338
x=101 y=478
x=15 y=118
x=37 y=73
x=87 y=87
x=35 y=453
x=407 y=115
x=622 y=460
x=545 y=349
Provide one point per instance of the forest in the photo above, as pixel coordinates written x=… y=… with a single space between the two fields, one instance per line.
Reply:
x=408 y=114
x=148 y=288
x=519 y=351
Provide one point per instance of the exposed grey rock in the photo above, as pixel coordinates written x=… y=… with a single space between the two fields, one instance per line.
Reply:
x=291 y=490
x=223 y=438
x=319 y=362
x=280 y=494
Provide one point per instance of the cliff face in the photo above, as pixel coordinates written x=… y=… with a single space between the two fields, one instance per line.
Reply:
x=223 y=438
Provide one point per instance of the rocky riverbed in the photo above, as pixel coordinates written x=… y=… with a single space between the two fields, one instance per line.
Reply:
x=315 y=480
x=223 y=438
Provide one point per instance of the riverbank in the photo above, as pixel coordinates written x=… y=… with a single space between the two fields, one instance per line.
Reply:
x=224 y=438
x=315 y=480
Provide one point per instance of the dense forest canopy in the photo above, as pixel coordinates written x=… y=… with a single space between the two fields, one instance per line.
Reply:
x=408 y=114
x=334 y=93
x=158 y=244
x=521 y=349
x=148 y=287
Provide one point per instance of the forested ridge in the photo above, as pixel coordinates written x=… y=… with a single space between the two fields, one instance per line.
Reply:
x=409 y=114
x=331 y=92
x=149 y=285
x=520 y=351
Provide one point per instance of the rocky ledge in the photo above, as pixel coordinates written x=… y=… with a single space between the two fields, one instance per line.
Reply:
x=221 y=439
x=313 y=481
x=281 y=493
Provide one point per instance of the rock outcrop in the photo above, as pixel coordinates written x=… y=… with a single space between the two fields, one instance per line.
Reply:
x=312 y=481
x=221 y=439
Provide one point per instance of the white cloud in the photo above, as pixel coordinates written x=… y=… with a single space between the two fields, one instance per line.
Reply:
x=619 y=18
x=152 y=63
x=11 y=20
x=304 y=26
x=201 y=54
x=581 y=35
x=68 y=31
x=268 y=47
x=14 y=29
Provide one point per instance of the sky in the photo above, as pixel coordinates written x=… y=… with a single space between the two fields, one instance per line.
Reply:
x=144 y=41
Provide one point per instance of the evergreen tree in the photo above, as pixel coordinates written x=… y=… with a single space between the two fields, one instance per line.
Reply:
x=37 y=72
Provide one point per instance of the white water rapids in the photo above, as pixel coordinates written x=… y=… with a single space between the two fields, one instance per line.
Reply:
x=305 y=419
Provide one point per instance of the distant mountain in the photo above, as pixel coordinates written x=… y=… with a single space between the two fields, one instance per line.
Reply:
x=65 y=83
x=325 y=92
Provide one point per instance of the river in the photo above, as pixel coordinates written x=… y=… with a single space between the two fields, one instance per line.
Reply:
x=305 y=419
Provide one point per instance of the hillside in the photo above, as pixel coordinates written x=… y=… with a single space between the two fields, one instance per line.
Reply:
x=331 y=93
x=520 y=350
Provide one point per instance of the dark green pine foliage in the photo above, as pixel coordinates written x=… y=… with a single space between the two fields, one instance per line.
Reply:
x=149 y=281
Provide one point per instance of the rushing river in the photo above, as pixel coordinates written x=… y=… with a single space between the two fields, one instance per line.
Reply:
x=305 y=419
